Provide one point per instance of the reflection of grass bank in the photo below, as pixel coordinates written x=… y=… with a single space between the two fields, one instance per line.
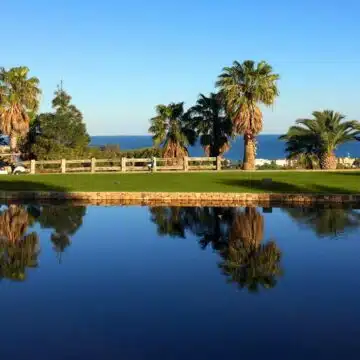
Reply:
x=283 y=182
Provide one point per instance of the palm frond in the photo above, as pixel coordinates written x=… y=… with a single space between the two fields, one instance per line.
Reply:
x=245 y=86
x=320 y=135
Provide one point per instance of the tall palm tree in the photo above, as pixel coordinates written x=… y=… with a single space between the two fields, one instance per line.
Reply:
x=170 y=131
x=212 y=124
x=19 y=100
x=244 y=87
x=320 y=136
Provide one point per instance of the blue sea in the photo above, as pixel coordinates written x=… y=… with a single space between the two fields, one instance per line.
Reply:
x=269 y=147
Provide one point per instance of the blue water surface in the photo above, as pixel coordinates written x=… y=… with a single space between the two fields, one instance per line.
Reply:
x=150 y=283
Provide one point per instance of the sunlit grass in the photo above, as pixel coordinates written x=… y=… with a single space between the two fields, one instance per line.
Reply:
x=286 y=182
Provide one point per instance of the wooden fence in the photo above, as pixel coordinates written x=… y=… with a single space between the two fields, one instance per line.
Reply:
x=124 y=165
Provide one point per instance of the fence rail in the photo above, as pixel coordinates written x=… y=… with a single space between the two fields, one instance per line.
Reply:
x=124 y=165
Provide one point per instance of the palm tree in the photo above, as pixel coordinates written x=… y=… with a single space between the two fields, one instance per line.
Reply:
x=19 y=100
x=244 y=87
x=211 y=123
x=169 y=130
x=320 y=136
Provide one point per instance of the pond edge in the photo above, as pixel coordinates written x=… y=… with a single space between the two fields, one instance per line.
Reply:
x=181 y=198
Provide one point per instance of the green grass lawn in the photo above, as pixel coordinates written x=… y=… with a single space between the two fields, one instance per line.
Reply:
x=283 y=181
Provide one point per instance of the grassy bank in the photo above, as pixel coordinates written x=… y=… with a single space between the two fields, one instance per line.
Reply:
x=286 y=182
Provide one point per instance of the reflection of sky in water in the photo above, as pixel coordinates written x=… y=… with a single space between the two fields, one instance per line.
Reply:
x=123 y=292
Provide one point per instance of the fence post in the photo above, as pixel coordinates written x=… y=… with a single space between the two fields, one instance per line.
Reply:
x=32 y=166
x=123 y=164
x=186 y=163
x=63 y=166
x=93 y=165
x=218 y=163
x=154 y=164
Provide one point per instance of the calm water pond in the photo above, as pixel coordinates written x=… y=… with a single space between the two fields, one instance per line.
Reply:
x=179 y=283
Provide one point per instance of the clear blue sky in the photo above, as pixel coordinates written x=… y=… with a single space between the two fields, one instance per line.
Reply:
x=119 y=58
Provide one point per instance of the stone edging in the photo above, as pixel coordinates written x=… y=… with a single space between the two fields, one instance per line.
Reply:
x=180 y=198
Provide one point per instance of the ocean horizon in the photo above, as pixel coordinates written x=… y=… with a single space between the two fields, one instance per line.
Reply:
x=269 y=146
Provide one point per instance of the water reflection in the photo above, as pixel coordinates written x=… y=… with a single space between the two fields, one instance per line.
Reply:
x=327 y=221
x=235 y=233
x=19 y=243
x=19 y=249
x=65 y=220
x=246 y=260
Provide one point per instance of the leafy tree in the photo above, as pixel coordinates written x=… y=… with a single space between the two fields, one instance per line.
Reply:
x=244 y=87
x=19 y=101
x=61 y=134
x=320 y=137
x=170 y=131
x=210 y=122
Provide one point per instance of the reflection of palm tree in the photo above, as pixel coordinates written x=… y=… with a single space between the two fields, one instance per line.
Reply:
x=326 y=221
x=246 y=261
x=169 y=221
x=13 y=223
x=248 y=226
x=251 y=265
x=18 y=250
x=211 y=225
x=235 y=234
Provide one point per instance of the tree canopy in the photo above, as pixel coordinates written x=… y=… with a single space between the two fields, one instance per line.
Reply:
x=170 y=130
x=320 y=136
x=61 y=133
x=244 y=86
x=19 y=101
x=211 y=123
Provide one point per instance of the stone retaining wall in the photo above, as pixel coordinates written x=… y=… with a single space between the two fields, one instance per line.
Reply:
x=180 y=199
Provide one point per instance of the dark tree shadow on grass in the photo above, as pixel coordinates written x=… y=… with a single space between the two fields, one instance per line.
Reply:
x=285 y=187
x=28 y=185
x=347 y=173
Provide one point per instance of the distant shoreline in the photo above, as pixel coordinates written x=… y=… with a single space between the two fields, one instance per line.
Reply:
x=268 y=146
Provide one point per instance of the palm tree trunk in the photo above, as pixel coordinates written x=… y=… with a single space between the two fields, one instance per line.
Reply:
x=13 y=146
x=328 y=161
x=249 y=152
x=13 y=142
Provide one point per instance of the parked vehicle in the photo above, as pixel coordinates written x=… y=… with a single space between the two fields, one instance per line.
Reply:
x=15 y=168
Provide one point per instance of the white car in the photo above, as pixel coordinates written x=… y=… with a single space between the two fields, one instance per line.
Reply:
x=15 y=169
